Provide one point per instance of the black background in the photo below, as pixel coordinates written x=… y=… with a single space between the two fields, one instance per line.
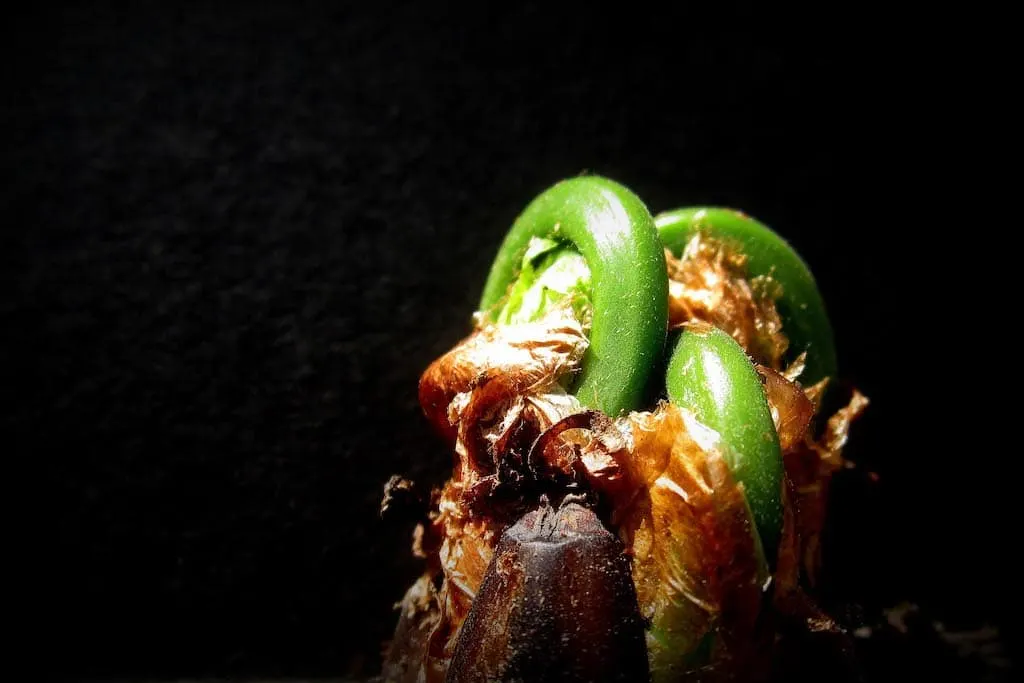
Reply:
x=235 y=236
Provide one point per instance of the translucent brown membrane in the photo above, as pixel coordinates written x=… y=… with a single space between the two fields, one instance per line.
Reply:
x=685 y=522
x=810 y=465
x=695 y=560
x=791 y=408
x=463 y=392
x=709 y=283
x=492 y=395
x=419 y=615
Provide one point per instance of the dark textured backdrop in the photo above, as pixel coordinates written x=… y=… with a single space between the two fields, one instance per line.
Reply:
x=233 y=238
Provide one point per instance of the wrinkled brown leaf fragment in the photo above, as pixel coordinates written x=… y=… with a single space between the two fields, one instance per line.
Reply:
x=418 y=618
x=796 y=368
x=397 y=488
x=465 y=553
x=587 y=442
x=517 y=359
x=791 y=409
x=492 y=396
x=837 y=429
x=810 y=466
x=688 y=529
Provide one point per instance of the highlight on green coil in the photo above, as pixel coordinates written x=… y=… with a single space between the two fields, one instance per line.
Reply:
x=622 y=270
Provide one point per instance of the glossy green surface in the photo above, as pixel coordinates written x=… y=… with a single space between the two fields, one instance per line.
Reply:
x=709 y=373
x=804 y=318
x=614 y=232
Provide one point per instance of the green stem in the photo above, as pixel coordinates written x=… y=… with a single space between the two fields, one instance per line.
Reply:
x=709 y=373
x=804 y=318
x=614 y=232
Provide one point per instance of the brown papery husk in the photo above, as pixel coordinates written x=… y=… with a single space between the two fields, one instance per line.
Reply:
x=810 y=465
x=791 y=408
x=689 y=531
x=665 y=479
x=499 y=398
x=419 y=616
x=492 y=396
x=684 y=521
x=496 y=371
x=708 y=282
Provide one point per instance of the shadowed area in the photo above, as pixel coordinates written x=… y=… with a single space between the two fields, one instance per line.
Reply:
x=236 y=233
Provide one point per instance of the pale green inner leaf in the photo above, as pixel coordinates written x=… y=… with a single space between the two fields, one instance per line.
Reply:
x=552 y=274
